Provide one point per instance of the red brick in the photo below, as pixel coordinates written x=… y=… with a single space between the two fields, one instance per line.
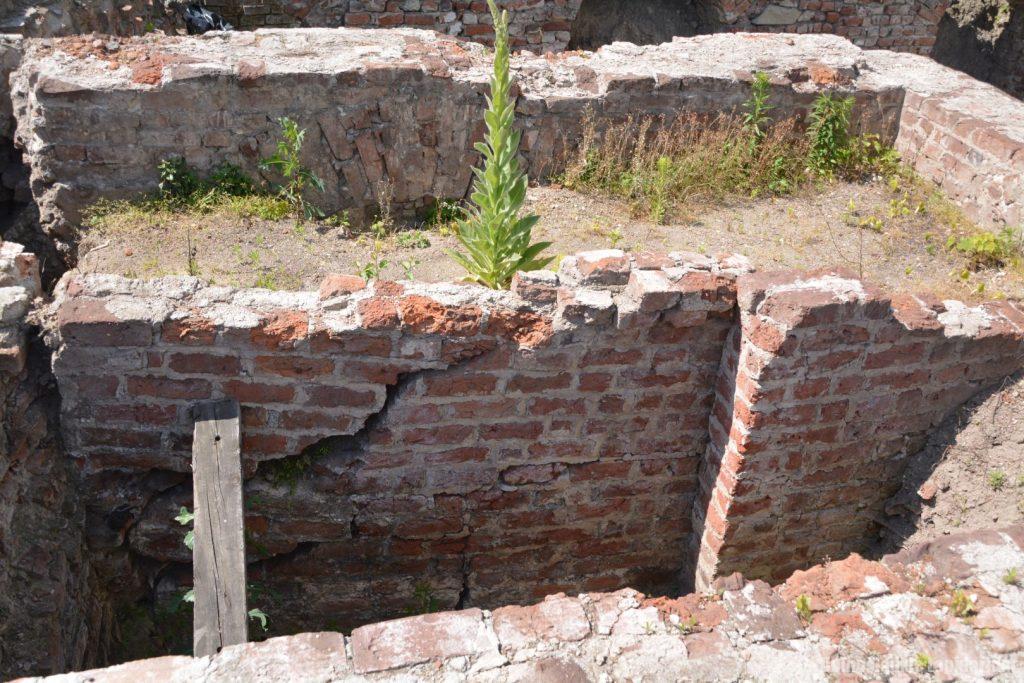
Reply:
x=463 y=384
x=191 y=331
x=294 y=366
x=204 y=364
x=281 y=330
x=527 y=384
x=336 y=397
x=162 y=387
x=253 y=392
x=423 y=315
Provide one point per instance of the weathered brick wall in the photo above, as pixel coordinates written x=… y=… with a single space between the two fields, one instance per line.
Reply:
x=949 y=140
x=458 y=439
x=828 y=386
x=47 y=613
x=402 y=106
x=461 y=439
x=901 y=25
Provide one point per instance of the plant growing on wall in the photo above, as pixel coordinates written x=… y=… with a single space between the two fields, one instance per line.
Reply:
x=287 y=161
x=496 y=239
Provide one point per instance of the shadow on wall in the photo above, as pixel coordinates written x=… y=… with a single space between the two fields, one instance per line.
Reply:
x=601 y=22
x=985 y=39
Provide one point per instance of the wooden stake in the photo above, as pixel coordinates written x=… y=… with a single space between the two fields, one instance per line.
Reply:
x=219 y=554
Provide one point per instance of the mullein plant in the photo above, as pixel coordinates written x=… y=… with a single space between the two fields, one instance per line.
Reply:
x=496 y=239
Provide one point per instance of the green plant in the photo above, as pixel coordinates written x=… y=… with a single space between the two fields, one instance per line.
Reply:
x=961 y=605
x=372 y=269
x=186 y=517
x=177 y=180
x=688 y=626
x=755 y=118
x=829 y=133
x=659 y=190
x=287 y=161
x=985 y=249
x=443 y=213
x=191 y=252
x=923 y=662
x=1010 y=578
x=996 y=479
x=803 y=608
x=408 y=265
x=413 y=239
x=496 y=240
x=424 y=600
x=231 y=180
x=614 y=237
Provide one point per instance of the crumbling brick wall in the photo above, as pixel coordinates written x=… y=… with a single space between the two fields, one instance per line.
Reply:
x=402 y=106
x=446 y=437
x=826 y=388
x=49 y=616
x=901 y=25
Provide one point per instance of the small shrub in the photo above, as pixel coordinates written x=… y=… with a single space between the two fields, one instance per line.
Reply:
x=496 y=239
x=413 y=239
x=230 y=180
x=829 y=133
x=996 y=479
x=923 y=662
x=177 y=180
x=985 y=249
x=287 y=161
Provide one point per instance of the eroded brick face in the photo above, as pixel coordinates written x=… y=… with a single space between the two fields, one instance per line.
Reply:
x=448 y=443
x=650 y=422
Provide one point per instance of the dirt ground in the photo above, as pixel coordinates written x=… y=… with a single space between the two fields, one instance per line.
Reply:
x=969 y=476
x=866 y=228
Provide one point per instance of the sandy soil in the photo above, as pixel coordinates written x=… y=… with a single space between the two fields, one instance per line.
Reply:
x=903 y=250
x=969 y=476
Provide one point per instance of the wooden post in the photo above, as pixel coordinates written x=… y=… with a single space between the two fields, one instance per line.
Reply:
x=219 y=553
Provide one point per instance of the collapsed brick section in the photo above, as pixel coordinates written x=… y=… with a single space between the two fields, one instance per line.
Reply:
x=826 y=388
x=457 y=438
x=864 y=621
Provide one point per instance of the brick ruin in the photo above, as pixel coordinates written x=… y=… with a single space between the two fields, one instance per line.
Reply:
x=888 y=620
x=982 y=37
x=645 y=421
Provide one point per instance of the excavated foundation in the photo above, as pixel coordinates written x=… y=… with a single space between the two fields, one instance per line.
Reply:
x=646 y=421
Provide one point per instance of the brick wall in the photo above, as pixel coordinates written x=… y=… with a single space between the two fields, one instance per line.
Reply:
x=865 y=621
x=462 y=440
x=458 y=439
x=901 y=25
x=48 y=615
x=827 y=387
x=409 y=110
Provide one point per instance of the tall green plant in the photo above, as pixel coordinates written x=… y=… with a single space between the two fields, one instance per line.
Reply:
x=496 y=239
x=830 y=134
x=756 y=108
x=287 y=161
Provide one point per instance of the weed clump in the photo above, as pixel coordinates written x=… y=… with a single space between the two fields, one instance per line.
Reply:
x=659 y=165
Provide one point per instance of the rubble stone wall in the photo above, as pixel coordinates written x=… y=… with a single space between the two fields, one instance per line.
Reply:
x=613 y=425
x=900 y=25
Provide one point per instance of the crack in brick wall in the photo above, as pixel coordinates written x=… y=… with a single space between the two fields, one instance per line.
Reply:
x=609 y=426
x=553 y=433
